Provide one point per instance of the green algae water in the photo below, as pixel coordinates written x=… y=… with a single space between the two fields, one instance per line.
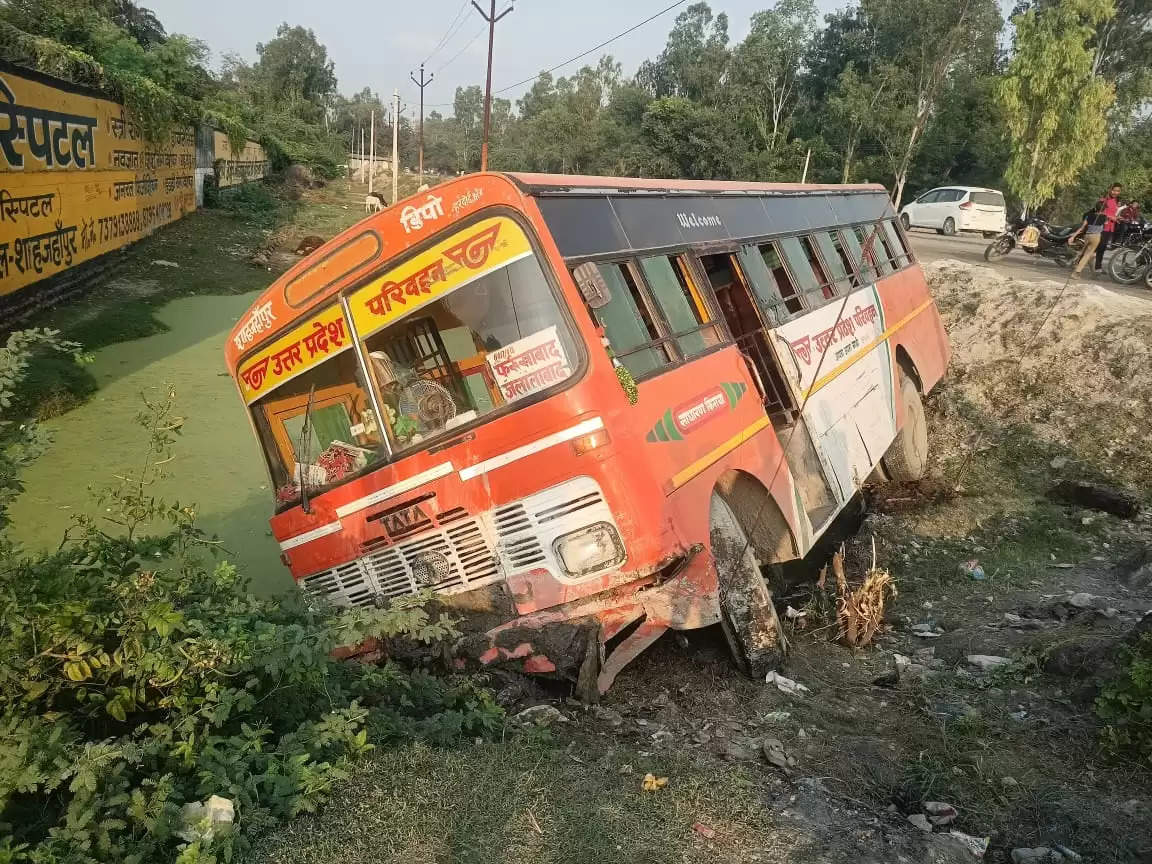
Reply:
x=217 y=463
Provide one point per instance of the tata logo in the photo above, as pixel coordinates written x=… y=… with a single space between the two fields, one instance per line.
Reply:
x=405 y=521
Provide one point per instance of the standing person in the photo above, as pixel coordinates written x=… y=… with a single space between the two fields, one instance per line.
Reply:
x=1092 y=227
x=1109 y=206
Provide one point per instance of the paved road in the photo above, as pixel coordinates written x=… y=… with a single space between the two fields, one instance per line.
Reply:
x=931 y=246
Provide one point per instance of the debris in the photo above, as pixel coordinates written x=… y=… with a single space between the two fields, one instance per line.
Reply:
x=957 y=710
x=988 y=662
x=1009 y=781
x=1110 y=500
x=777 y=717
x=160 y=263
x=773 y=749
x=1019 y=716
x=1059 y=462
x=785 y=685
x=927 y=630
x=921 y=822
x=973 y=570
x=1132 y=807
x=662 y=736
x=740 y=751
x=940 y=813
x=1057 y=854
x=651 y=782
x=1062 y=566
x=214 y=818
x=1082 y=600
x=860 y=612
x=607 y=715
x=1135 y=570
x=705 y=831
x=976 y=845
x=1019 y=622
x=539 y=715
x=1068 y=854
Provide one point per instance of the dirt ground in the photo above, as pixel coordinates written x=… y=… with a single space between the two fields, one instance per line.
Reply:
x=834 y=773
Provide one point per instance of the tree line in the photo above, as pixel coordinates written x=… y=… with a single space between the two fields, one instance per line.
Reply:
x=1050 y=104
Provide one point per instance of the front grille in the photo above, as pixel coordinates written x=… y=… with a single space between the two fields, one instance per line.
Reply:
x=525 y=529
x=451 y=559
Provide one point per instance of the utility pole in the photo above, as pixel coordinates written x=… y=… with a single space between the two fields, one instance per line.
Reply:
x=807 y=157
x=361 y=154
x=395 y=145
x=422 y=83
x=491 y=17
x=372 y=152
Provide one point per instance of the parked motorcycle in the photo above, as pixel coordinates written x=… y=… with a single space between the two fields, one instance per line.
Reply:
x=1036 y=237
x=1128 y=266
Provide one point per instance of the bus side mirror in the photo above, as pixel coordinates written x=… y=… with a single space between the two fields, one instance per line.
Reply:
x=593 y=288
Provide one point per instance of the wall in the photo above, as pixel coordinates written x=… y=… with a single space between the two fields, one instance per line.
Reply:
x=234 y=168
x=76 y=178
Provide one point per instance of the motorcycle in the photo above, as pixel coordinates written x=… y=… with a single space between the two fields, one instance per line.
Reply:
x=1037 y=237
x=1129 y=265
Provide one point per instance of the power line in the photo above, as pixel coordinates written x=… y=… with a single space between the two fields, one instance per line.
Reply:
x=479 y=33
x=595 y=48
x=453 y=29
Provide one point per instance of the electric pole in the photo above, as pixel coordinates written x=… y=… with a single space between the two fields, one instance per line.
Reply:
x=361 y=154
x=395 y=148
x=422 y=83
x=491 y=17
x=372 y=152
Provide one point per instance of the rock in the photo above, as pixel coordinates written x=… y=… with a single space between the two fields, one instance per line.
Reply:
x=988 y=662
x=608 y=716
x=1133 y=807
x=1036 y=855
x=662 y=736
x=1059 y=462
x=773 y=749
x=214 y=818
x=1110 y=500
x=705 y=831
x=927 y=630
x=940 y=813
x=777 y=717
x=740 y=751
x=1068 y=854
x=956 y=710
x=1082 y=600
x=921 y=822
x=309 y=244
x=161 y=263
x=1135 y=570
x=1009 y=781
x=539 y=715
x=1019 y=622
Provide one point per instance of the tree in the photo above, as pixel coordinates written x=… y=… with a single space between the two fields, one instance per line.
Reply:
x=294 y=73
x=694 y=59
x=1054 y=106
x=924 y=39
x=687 y=140
x=853 y=108
x=765 y=68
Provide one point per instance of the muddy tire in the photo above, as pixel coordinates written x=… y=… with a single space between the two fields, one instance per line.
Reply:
x=907 y=456
x=747 y=615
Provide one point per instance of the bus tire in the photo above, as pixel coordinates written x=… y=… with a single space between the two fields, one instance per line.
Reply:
x=747 y=614
x=907 y=456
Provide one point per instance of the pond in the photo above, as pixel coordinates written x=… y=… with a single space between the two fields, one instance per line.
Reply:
x=217 y=464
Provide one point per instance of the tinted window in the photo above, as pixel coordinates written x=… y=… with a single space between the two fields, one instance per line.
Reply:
x=681 y=304
x=628 y=324
x=988 y=199
x=929 y=197
x=952 y=195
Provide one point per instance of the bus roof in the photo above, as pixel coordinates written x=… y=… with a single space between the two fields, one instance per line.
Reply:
x=578 y=183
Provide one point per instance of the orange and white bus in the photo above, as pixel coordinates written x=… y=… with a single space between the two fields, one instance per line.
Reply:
x=444 y=394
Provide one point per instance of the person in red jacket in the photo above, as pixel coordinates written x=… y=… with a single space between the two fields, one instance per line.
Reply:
x=1109 y=207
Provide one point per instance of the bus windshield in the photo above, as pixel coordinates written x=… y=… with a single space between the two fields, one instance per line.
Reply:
x=464 y=329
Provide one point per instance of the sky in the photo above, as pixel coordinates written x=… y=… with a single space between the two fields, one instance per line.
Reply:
x=378 y=44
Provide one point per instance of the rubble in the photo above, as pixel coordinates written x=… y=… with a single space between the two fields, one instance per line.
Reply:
x=921 y=822
x=940 y=813
x=785 y=685
x=988 y=662
x=539 y=715
x=1056 y=854
x=774 y=753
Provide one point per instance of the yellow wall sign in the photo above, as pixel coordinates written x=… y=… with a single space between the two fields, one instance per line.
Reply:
x=306 y=346
x=462 y=258
x=235 y=167
x=78 y=180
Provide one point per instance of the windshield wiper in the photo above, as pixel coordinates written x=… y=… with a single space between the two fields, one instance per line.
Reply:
x=306 y=450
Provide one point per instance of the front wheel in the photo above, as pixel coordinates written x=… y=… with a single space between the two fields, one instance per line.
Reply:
x=1127 y=266
x=949 y=226
x=905 y=221
x=907 y=456
x=999 y=249
x=747 y=614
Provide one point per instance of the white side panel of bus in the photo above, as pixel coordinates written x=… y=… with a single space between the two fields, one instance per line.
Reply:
x=840 y=364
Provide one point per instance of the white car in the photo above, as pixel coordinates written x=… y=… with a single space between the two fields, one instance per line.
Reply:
x=949 y=209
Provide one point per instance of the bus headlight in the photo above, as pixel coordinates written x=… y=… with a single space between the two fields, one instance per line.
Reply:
x=589 y=549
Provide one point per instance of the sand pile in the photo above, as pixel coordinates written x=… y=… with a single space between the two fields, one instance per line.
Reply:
x=1085 y=381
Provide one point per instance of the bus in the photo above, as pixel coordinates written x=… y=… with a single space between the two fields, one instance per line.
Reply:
x=583 y=411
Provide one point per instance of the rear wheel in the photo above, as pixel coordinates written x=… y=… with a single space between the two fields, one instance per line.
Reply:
x=907 y=456
x=998 y=249
x=1127 y=266
x=905 y=221
x=746 y=612
x=949 y=226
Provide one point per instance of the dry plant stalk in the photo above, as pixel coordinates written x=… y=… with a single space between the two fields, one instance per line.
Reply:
x=860 y=613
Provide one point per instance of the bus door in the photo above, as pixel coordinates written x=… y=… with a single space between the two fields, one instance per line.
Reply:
x=746 y=322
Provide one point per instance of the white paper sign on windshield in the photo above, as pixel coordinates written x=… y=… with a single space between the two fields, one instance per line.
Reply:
x=529 y=365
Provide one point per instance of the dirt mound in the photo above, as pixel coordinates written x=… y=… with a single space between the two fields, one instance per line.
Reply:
x=1084 y=382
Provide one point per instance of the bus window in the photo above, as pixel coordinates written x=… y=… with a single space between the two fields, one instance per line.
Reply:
x=684 y=309
x=836 y=260
x=342 y=436
x=885 y=257
x=628 y=324
x=896 y=243
x=787 y=300
x=497 y=339
x=854 y=240
x=806 y=269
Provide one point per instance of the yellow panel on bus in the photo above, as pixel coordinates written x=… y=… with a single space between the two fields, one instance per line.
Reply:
x=452 y=263
x=303 y=347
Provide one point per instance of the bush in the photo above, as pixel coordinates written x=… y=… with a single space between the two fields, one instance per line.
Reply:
x=1125 y=705
x=137 y=679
